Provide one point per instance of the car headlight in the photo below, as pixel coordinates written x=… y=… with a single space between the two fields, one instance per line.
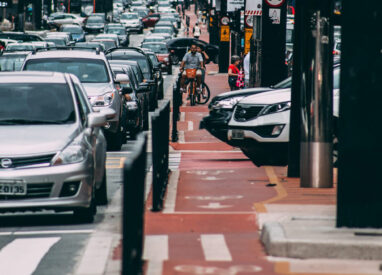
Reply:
x=74 y=153
x=228 y=103
x=276 y=108
x=102 y=100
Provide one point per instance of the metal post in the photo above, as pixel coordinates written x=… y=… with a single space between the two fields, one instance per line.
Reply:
x=175 y=112
x=224 y=30
x=359 y=202
x=317 y=102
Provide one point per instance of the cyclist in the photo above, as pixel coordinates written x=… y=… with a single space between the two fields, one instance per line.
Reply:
x=205 y=59
x=191 y=60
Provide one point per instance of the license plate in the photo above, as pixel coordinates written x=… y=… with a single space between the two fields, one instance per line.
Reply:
x=15 y=188
x=237 y=134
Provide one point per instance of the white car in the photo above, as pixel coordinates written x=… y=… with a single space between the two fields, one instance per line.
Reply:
x=131 y=22
x=260 y=124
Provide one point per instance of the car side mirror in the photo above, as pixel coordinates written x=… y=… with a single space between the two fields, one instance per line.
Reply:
x=96 y=120
x=120 y=78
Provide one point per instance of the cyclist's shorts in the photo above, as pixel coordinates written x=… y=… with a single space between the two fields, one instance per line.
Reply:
x=198 y=72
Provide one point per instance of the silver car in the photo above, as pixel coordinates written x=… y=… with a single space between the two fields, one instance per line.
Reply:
x=52 y=149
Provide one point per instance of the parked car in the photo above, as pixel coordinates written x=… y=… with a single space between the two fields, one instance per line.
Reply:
x=179 y=46
x=260 y=124
x=95 y=74
x=123 y=35
x=131 y=22
x=94 y=24
x=161 y=51
x=147 y=68
x=221 y=108
x=61 y=164
x=78 y=34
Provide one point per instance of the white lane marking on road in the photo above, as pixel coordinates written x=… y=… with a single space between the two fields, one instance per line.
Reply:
x=169 y=204
x=22 y=256
x=214 y=205
x=155 y=252
x=95 y=256
x=182 y=116
x=190 y=125
x=47 y=232
x=215 y=247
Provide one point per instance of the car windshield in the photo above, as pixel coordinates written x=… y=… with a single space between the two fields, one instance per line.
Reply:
x=72 y=29
x=95 y=19
x=107 y=44
x=12 y=62
x=57 y=42
x=36 y=103
x=286 y=83
x=118 y=31
x=87 y=70
x=129 y=16
x=156 y=48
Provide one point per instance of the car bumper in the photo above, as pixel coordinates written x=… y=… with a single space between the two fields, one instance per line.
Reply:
x=55 y=176
x=217 y=124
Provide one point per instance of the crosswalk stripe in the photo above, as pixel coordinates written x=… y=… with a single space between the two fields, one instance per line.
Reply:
x=215 y=247
x=22 y=256
x=156 y=248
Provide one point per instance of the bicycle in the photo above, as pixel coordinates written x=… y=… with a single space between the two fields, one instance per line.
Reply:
x=191 y=85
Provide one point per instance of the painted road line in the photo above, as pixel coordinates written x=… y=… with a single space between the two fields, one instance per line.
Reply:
x=51 y=232
x=169 y=203
x=22 y=256
x=190 y=125
x=156 y=248
x=281 y=192
x=96 y=255
x=215 y=247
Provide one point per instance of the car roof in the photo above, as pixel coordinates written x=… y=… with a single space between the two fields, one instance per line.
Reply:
x=32 y=77
x=66 y=54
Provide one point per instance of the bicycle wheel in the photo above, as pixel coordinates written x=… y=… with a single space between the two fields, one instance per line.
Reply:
x=204 y=95
x=192 y=93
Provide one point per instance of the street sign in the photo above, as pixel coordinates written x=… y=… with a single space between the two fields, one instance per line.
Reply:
x=254 y=7
x=275 y=3
x=249 y=21
x=247 y=39
x=233 y=5
x=224 y=20
x=224 y=33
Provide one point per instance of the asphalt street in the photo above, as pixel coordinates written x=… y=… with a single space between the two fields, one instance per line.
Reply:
x=52 y=243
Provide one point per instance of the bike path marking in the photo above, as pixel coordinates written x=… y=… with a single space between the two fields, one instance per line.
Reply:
x=279 y=188
x=215 y=247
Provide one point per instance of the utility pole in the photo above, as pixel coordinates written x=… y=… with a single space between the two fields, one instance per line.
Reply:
x=224 y=42
x=359 y=202
x=273 y=40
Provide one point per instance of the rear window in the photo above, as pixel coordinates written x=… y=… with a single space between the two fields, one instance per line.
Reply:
x=12 y=62
x=87 y=70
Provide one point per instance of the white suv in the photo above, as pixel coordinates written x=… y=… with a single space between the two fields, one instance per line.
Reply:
x=260 y=124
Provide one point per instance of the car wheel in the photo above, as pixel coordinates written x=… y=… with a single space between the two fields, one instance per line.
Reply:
x=86 y=215
x=169 y=70
x=101 y=192
x=114 y=140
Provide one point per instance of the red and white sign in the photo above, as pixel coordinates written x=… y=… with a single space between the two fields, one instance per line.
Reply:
x=254 y=7
x=274 y=3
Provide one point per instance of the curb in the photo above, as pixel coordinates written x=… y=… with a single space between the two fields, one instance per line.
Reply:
x=367 y=247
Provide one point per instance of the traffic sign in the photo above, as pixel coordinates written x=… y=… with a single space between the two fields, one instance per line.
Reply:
x=275 y=3
x=224 y=20
x=224 y=33
x=249 y=21
x=254 y=7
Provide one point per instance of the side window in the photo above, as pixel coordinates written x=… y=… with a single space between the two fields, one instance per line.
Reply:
x=82 y=103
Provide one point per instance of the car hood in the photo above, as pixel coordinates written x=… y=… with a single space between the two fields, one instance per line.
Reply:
x=35 y=139
x=269 y=97
x=132 y=22
x=242 y=92
x=93 y=89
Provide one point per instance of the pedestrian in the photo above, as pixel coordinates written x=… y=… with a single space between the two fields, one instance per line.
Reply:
x=233 y=72
x=246 y=70
x=196 y=31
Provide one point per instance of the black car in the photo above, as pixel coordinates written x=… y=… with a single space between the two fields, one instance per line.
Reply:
x=221 y=109
x=135 y=99
x=94 y=24
x=136 y=54
x=157 y=66
x=179 y=46
x=20 y=36
x=138 y=75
